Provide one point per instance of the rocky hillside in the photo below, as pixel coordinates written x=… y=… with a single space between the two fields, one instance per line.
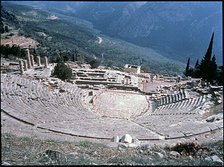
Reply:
x=175 y=30
x=57 y=32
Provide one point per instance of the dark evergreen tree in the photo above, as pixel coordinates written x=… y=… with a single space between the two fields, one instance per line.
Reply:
x=76 y=56
x=6 y=29
x=23 y=53
x=65 y=56
x=94 y=63
x=2 y=30
x=186 y=72
x=59 y=59
x=205 y=63
x=212 y=70
x=73 y=57
x=196 y=64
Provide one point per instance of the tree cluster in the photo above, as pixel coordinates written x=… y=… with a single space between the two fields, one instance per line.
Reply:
x=3 y=28
x=207 y=69
x=14 y=50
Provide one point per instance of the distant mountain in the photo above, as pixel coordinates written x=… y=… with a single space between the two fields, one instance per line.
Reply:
x=177 y=30
x=56 y=32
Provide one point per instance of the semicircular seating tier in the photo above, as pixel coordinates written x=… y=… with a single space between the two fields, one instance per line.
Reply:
x=62 y=108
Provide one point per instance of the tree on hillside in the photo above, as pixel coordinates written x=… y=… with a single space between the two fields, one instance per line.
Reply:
x=207 y=69
x=74 y=56
x=12 y=50
x=196 y=73
x=145 y=68
x=205 y=63
x=212 y=70
x=186 y=73
x=2 y=30
x=110 y=63
x=6 y=29
x=80 y=59
x=62 y=71
x=94 y=63
x=23 y=53
x=196 y=64
x=65 y=57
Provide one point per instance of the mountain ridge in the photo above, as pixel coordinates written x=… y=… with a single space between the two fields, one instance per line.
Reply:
x=177 y=30
x=64 y=35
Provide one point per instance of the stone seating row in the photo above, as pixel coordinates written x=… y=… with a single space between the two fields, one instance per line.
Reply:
x=181 y=106
x=44 y=107
x=181 y=95
x=101 y=127
x=33 y=110
x=175 y=125
x=31 y=88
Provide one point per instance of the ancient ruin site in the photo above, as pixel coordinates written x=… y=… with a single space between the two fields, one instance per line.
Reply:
x=108 y=83
x=107 y=106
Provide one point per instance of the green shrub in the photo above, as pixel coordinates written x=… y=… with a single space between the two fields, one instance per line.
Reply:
x=62 y=71
x=94 y=63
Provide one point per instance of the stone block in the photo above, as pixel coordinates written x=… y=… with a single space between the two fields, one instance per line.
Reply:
x=174 y=154
x=160 y=155
x=115 y=139
x=126 y=138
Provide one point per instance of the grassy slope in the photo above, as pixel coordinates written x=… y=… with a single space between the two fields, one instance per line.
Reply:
x=32 y=151
x=67 y=34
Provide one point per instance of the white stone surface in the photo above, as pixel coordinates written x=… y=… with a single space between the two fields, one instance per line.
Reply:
x=126 y=138
x=116 y=139
x=215 y=158
x=160 y=155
